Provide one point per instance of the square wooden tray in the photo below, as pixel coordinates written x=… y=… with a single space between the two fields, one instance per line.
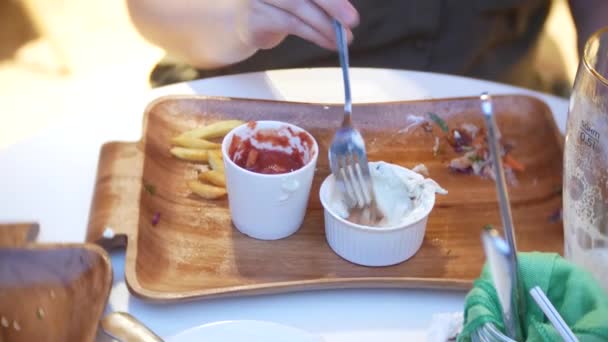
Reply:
x=194 y=251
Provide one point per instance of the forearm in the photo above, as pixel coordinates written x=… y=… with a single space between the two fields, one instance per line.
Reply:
x=589 y=16
x=201 y=33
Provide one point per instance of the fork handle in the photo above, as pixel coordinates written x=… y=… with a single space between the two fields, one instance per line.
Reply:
x=343 y=53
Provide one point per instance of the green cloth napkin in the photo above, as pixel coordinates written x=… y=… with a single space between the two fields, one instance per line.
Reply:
x=577 y=296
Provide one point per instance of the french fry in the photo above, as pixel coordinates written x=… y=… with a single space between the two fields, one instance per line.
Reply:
x=213 y=177
x=190 y=154
x=190 y=142
x=215 y=160
x=206 y=191
x=214 y=130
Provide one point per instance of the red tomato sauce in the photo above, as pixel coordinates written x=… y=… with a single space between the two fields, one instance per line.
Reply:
x=267 y=161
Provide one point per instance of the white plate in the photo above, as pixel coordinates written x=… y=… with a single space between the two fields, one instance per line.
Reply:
x=249 y=331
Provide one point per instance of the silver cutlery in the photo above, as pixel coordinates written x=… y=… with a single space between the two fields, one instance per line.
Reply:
x=488 y=332
x=518 y=306
x=552 y=314
x=347 y=155
x=126 y=328
x=498 y=255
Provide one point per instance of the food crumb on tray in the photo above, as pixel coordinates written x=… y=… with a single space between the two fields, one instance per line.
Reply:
x=421 y=169
x=470 y=143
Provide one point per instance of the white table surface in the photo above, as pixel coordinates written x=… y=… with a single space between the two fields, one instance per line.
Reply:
x=49 y=179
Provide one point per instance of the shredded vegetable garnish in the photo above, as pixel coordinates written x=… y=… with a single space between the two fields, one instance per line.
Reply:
x=556 y=216
x=155 y=218
x=470 y=142
x=439 y=121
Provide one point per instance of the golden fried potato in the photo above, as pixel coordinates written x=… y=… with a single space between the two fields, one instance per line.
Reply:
x=216 y=161
x=190 y=142
x=206 y=191
x=214 y=130
x=214 y=177
x=190 y=154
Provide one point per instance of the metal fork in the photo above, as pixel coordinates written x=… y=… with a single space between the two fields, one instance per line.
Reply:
x=347 y=155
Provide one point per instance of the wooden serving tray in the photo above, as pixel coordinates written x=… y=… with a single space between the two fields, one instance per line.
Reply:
x=194 y=251
x=50 y=292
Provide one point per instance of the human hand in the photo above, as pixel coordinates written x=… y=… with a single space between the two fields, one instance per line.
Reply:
x=263 y=24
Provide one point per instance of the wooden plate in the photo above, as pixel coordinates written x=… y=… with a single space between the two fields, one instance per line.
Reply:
x=194 y=251
x=50 y=292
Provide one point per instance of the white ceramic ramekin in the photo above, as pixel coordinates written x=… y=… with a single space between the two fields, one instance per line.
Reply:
x=371 y=246
x=268 y=206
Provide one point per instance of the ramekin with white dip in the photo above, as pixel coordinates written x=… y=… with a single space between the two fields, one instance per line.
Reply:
x=404 y=197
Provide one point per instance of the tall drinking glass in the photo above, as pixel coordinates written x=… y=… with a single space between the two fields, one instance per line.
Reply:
x=585 y=199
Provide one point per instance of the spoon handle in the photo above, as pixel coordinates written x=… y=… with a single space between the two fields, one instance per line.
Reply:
x=505 y=209
x=498 y=255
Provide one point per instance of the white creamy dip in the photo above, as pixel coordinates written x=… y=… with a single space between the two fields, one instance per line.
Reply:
x=402 y=195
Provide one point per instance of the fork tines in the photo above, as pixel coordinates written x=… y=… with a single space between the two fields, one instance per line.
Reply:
x=352 y=174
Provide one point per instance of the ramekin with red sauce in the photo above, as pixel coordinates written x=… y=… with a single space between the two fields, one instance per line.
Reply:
x=269 y=170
